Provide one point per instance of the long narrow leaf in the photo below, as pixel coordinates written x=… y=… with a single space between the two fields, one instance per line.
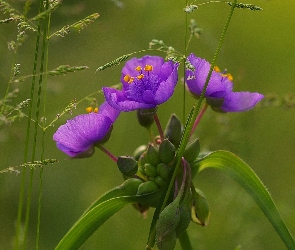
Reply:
x=245 y=176
x=90 y=222
x=98 y=213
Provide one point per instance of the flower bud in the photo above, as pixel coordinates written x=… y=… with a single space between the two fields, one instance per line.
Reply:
x=127 y=165
x=142 y=160
x=192 y=150
x=153 y=155
x=150 y=170
x=147 y=187
x=215 y=102
x=166 y=151
x=163 y=170
x=173 y=130
x=160 y=181
x=200 y=209
x=145 y=117
x=130 y=186
x=139 y=151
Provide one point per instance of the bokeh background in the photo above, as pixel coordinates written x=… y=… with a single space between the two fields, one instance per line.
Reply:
x=258 y=51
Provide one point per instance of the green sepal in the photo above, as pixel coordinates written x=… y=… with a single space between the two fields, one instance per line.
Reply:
x=200 y=212
x=192 y=150
x=166 y=225
x=173 y=130
x=127 y=165
x=175 y=218
x=145 y=117
x=185 y=213
x=166 y=151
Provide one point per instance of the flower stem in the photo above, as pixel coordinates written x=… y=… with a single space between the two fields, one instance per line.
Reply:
x=184 y=241
x=186 y=136
x=149 y=129
x=108 y=153
x=157 y=121
x=198 y=119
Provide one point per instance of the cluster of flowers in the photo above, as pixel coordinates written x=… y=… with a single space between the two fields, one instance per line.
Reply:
x=146 y=83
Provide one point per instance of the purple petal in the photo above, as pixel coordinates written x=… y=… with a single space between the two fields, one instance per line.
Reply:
x=166 y=88
x=129 y=68
x=118 y=100
x=240 y=101
x=196 y=79
x=107 y=110
x=80 y=133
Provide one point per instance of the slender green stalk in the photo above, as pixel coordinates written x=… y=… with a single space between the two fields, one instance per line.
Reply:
x=186 y=135
x=39 y=207
x=22 y=185
x=20 y=207
x=151 y=135
x=184 y=59
x=46 y=43
x=185 y=241
x=29 y=197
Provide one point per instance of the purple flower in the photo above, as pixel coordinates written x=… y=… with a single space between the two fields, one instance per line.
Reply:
x=219 y=93
x=79 y=135
x=147 y=82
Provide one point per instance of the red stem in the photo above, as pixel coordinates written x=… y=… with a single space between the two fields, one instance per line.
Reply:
x=199 y=117
x=156 y=118
x=108 y=153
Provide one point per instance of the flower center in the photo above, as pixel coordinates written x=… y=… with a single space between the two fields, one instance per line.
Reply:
x=143 y=85
x=223 y=74
x=148 y=68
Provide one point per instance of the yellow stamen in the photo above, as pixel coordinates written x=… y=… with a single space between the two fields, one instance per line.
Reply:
x=148 y=67
x=131 y=80
x=140 y=76
x=95 y=110
x=229 y=76
x=138 y=68
x=127 y=78
x=89 y=109
x=216 y=68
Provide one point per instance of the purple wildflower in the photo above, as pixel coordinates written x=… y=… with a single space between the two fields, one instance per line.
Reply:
x=79 y=135
x=219 y=93
x=147 y=82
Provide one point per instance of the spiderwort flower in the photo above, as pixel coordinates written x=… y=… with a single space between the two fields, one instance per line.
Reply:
x=79 y=135
x=147 y=82
x=219 y=93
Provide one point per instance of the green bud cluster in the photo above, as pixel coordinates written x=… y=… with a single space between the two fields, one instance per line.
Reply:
x=153 y=165
x=150 y=169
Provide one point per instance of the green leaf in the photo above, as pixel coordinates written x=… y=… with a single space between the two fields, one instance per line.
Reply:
x=246 y=177
x=90 y=222
x=100 y=211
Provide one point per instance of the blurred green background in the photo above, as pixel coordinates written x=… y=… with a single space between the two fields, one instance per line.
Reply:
x=258 y=51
